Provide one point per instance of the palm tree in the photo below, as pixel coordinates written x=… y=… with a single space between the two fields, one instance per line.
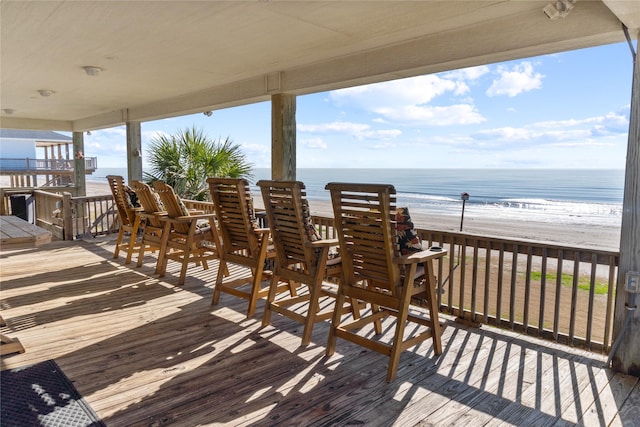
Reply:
x=185 y=160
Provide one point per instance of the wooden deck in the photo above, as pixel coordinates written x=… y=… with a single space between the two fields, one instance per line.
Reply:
x=144 y=352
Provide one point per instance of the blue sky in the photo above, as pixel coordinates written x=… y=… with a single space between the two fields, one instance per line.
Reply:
x=566 y=110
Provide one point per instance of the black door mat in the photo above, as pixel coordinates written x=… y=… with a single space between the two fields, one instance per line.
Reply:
x=42 y=395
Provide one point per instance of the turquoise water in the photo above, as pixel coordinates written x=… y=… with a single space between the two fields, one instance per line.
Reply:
x=558 y=196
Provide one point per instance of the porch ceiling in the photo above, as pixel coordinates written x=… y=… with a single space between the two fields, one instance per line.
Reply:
x=162 y=59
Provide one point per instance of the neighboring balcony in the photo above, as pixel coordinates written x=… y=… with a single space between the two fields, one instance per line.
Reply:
x=44 y=166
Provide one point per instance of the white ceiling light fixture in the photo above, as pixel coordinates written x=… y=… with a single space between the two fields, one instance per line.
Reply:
x=45 y=92
x=558 y=9
x=208 y=113
x=91 y=70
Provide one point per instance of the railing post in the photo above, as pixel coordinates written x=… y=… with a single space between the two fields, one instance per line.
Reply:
x=67 y=215
x=3 y=202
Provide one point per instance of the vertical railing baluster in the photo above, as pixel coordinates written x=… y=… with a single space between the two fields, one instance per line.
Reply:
x=556 y=310
x=500 y=280
x=452 y=248
x=574 y=296
x=474 y=281
x=608 y=324
x=512 y=294
x=487 y=281
x=527 y=290
x=592 y=293
x=543 y=291
x=462 y=264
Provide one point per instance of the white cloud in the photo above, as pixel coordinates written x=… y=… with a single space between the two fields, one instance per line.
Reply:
x=520 y=78
x=471 y=73
x=255 y=148
x=314 y=143
x=433 y=116
x=344 y=127
x=590 y=131
x=407 y=101
x=395 y=93
x=383 y=146
x=355 y=130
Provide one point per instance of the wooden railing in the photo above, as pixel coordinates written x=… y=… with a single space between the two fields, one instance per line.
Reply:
x=67 y=217
x=43 y=166
x=559 y=293
x=555 y=292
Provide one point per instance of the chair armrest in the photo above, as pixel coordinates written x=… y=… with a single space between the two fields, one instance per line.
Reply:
x=201 y=215
x=324 y=242
x=179 y=219
x=420 y=257
x=153 y=214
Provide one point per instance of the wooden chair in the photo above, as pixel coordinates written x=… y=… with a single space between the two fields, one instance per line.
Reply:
x=301 y=257
x=128 y=217
x=183 y=240
x=151 y=218
x=243 y=242
x=376 y=273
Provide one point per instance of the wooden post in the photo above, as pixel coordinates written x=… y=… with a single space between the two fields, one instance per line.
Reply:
x=79 y=177
x=283 y=136
x=47 y=177
x=67 y=216
x=134 y=152
x=626 y=358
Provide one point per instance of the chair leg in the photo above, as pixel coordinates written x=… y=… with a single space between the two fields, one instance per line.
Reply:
x=273 y=289
x=118 y=242
x=183 y=269
x=312 y=311
x=141 y=253
x=161 y=265
x=398 y=338
x=222 y=265
x=436 y=329
x=401 y=323
x=335 y=322
x=255 y=291
x=216 y=290
x=132 y=240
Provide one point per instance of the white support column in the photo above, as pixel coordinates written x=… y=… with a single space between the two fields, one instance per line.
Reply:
x=283 y=136
x=134 y=152
x=79 y=177
x=626 y=358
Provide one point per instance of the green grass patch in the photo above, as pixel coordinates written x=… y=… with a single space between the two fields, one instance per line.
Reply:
x=601 y=288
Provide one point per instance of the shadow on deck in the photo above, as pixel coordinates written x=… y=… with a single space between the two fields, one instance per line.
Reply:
x=145 y=352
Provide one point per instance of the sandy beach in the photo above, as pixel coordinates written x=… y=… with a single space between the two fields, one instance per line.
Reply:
x=589 y=236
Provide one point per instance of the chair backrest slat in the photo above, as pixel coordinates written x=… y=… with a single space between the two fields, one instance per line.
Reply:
x=171 y=203
x=120 y=196
x=234 y=211
x=287 y=210
x=148 y=201
x=365 y=222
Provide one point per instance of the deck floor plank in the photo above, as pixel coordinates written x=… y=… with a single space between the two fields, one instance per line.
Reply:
x=143 y=351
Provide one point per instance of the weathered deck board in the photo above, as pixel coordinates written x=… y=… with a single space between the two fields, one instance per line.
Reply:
x=16 y=231
x=145 y=352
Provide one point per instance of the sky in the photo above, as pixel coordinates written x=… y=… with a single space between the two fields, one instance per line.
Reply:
x=566 y=110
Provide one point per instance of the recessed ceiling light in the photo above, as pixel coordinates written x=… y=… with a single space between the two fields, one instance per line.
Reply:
x=45 y=92
x=92 y=71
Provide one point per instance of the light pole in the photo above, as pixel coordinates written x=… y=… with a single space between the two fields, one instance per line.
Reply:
x=464 y=197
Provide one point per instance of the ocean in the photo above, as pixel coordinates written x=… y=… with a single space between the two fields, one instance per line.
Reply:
x=589 y=196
